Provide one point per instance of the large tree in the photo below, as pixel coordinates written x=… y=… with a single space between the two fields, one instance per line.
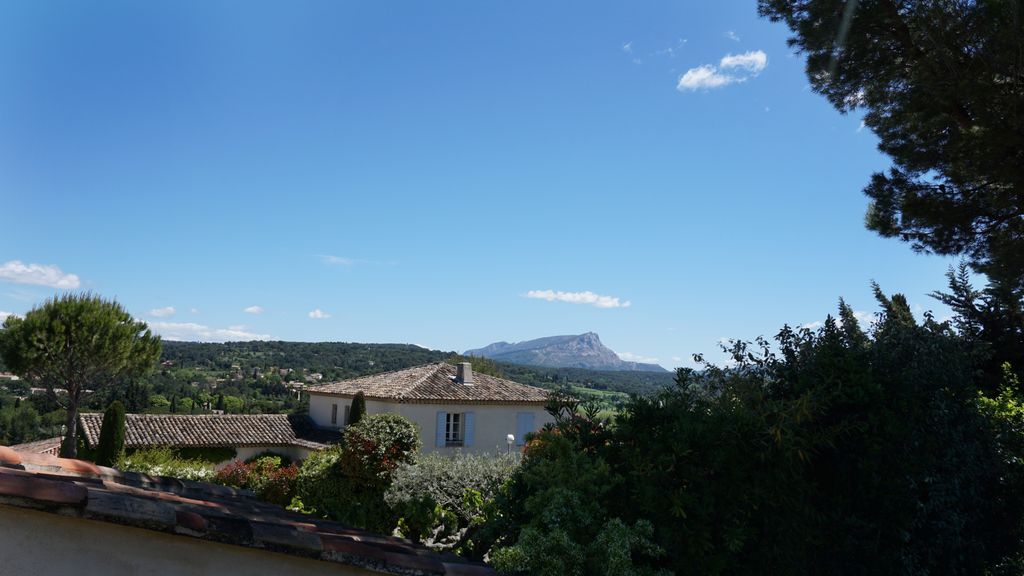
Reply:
x=942 y=85
x=77 y=342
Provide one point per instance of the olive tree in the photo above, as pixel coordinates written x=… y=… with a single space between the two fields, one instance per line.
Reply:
x=77 y=342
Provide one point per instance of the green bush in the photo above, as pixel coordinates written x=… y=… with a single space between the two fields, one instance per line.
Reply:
x=836 y=451
x=111 y=442
x=265 y=475
x=357 y=409
x=164 y=461
x=440 y=500
x=347 y=483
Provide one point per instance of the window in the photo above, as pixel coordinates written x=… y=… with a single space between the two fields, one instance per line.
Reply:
x=334 y=413
x=348 y=410
x=453 y=430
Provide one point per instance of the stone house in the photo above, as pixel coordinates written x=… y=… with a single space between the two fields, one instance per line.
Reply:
x=454 y=408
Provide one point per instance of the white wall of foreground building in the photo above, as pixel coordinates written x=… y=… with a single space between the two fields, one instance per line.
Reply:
x=34 y=542
x=486 y=425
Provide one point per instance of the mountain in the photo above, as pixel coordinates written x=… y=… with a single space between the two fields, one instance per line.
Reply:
x=581 y=351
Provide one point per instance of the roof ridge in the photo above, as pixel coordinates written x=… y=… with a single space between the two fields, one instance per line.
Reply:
x=437 y=366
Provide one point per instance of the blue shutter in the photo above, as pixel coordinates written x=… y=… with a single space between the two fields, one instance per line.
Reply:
x=524 y=425
x=441 y=416
x=467 y=421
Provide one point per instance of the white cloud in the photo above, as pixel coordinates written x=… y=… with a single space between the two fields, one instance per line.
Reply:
x=4 y=315
x=732 y=36
x=703 y=77
x=162 y=312
x=677 y=358
x=731 y=69
x=627 y=47
x=861 y=127
x=337 y=260
x=253 y=310
x=630 y=357
x=18 y=272
x=191 y=331
x=752 y=62
x=194 y=310
x=318 y=314
x=586 y=297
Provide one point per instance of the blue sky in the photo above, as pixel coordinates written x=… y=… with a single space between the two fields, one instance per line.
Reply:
x=446 y=174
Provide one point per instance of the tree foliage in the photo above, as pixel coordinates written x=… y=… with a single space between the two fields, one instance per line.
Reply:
x=111 y=442
x=347 y=482
x=75 y=342
x=837 y=451
x=441 y=499
x=942 y=84
x=358 y=408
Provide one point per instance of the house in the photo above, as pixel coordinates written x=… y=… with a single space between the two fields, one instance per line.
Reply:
x=249 y=434
x=454 y=408
x=68 y=517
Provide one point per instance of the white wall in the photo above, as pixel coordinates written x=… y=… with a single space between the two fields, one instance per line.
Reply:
x=34 y=542
x=492 y=422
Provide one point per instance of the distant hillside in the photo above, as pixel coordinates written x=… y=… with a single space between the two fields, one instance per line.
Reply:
x=579 y=351
x=334 y=360
x=642 y=383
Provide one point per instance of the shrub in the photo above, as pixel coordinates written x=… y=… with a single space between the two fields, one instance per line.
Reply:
x=836 y=451
x=111 y=442
x=347 y=483
x=377 y=445
x=358 y=408
x=441 y=500
x=264 y=475
x=164 y=461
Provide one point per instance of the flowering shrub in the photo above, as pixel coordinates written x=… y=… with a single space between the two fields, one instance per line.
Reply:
x=163 y=461
x=263 y=475
x=347 y=483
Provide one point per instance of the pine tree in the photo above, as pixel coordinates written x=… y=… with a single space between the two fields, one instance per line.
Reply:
x=74 y=342
x=111 y=441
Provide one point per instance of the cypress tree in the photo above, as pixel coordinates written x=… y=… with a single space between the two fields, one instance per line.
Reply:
x=358 y=409
x=111 y=435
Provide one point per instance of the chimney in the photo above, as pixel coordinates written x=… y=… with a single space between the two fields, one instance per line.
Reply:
x=464 y=375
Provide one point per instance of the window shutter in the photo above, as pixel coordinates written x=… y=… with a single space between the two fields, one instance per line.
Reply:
x=440 y=428
x=467 y=439
x=524 y=425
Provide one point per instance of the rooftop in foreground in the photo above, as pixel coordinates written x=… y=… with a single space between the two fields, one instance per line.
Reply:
x=194 y=510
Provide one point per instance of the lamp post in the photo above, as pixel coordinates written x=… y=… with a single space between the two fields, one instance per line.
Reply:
x=509 y=440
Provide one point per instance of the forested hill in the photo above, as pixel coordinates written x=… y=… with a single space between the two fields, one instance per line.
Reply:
x=335 y=360
x=341 y=360
x=642 y=383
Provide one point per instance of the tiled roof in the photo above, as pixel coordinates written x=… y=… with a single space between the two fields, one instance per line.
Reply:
x=213 y=430
x=434 y=383
x=48 y=446
x=80 y=489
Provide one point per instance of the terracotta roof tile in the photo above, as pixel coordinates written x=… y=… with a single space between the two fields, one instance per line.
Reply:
x=435 y=383
x=9 y=456
x=206 y=511
x=48 y=446
x=210 y=430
